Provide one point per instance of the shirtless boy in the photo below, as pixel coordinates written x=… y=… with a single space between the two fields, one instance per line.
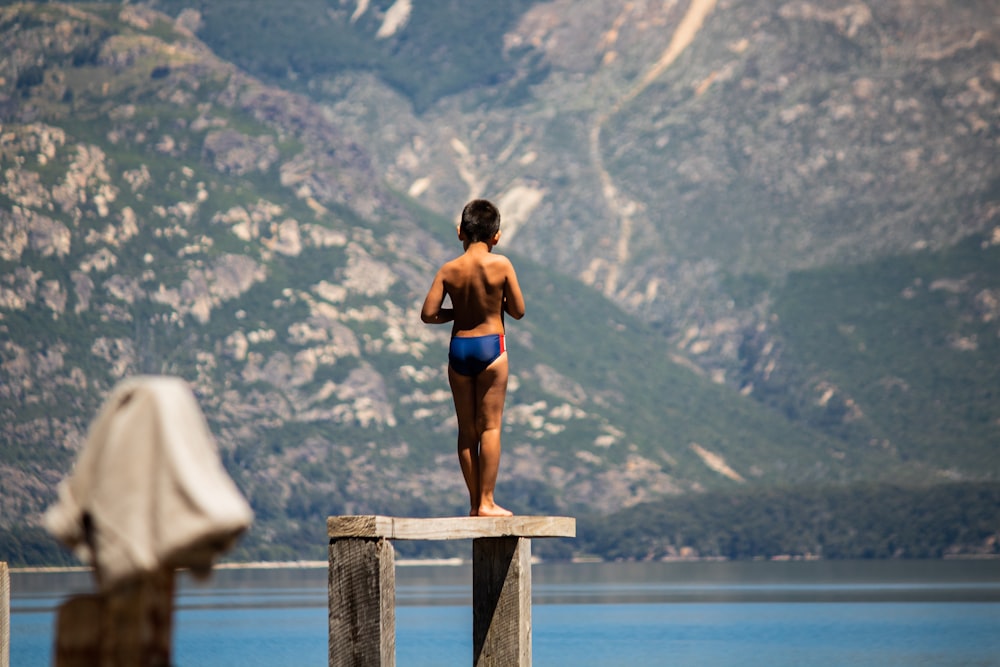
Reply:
x=482 y=287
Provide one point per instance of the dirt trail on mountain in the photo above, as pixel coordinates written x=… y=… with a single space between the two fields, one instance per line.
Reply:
x=618 y=205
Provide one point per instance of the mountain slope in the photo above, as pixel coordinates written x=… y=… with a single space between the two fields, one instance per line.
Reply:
x=903 y=352
x=793 y=305
x=755 y=138
x=736 y=144
x=165 y=213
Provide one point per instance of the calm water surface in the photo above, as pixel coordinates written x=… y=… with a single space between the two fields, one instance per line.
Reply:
x=816 y=614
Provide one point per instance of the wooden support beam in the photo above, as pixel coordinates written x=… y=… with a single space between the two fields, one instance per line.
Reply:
x=501 y=602
x=362 y=603
x=449 y=528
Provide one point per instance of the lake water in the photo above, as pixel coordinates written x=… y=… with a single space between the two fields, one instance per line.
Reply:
x=687 y=614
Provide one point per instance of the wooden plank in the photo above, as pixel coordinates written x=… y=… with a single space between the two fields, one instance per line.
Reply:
x=4 y=615
x=362 y=603
x=449 y=528
x=501 y=602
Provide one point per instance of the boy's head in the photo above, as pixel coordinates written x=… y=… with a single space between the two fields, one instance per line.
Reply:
x=480 y=221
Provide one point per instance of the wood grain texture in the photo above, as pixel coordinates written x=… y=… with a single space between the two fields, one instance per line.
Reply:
x=362 y=599
x=501 y=602
x=4 y=615
x=449 y=528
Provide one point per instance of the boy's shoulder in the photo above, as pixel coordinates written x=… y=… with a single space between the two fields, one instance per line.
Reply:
x=497 y=258
x=497 y=264
x=462 y=261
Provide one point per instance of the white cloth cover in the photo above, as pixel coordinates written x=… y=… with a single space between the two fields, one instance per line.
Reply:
x=150 y=483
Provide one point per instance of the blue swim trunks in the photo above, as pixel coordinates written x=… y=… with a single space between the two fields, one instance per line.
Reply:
x=470 y=356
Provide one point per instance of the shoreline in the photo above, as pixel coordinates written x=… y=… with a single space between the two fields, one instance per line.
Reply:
x=249 y=565
x=457 y=562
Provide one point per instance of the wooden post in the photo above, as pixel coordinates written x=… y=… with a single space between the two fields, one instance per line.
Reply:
x=4 y=615
x=501 y=602
x=129 y=626
x=362 y=595
x=362 y=583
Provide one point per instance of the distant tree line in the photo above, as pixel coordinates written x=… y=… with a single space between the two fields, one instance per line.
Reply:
x=859 y=521
x=32 y=545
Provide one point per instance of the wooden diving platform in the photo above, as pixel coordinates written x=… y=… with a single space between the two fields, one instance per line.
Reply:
x=362 y=583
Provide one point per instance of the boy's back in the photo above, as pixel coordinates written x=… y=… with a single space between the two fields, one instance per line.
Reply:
x=477 y=283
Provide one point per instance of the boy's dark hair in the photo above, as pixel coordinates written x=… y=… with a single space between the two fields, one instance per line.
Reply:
x=480 y=220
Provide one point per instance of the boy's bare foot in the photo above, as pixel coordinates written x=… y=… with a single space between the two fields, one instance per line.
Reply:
x=494 y=510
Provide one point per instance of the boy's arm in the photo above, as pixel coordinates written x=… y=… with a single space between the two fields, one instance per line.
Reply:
x=432 y=312
x=513 y=300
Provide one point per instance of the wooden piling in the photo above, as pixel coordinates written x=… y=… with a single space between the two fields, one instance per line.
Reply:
x=362 y=599
x=4 y=615
x=501 y=601
x=129 y=626
x=362 y=583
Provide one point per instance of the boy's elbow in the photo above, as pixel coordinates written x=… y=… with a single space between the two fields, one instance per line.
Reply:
x=427 y=318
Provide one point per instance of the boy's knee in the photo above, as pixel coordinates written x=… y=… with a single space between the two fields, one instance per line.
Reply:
x=484 y=424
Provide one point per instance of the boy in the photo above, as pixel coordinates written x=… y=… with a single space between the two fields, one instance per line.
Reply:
x=482 y=287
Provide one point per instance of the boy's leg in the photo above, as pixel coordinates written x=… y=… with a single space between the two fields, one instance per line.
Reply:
x=491 y=392
x=463 y=392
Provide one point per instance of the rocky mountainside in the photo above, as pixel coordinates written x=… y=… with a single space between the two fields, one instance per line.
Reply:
x=682 y=188
x=684 y=157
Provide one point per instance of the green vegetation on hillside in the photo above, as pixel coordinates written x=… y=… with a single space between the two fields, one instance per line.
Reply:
x=623 y=364
x=444 y=47
x=304 y=385
x=901 y=353
x=224 y=255
x=843 y=522
x=857 y=521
